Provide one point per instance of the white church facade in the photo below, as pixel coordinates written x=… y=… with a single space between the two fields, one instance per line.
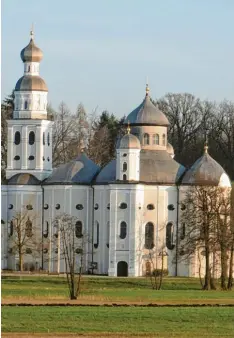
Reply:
x=126 y=208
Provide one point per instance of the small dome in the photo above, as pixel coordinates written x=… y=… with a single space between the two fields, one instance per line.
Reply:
x=129 y=141
x=29 y=83
x=170 y=149
x=31 y=53
x=205 y=171
x=147 y=114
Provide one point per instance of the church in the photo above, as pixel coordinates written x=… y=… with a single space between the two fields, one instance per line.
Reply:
x=128 y=208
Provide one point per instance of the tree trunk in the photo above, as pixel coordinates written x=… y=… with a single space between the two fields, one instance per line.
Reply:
x=230 y=278
x=20 y=260
x=223 y=268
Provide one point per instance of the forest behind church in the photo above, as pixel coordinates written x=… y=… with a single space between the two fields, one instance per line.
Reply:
x=192 y=121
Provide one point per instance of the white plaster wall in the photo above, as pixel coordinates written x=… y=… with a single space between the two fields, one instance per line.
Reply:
x=4 y=234
x=36 y=105
x=20 y=196
x=132 y=159
x=67 y=196
x=40 y=166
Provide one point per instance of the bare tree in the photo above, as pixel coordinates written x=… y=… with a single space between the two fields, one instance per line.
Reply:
x=23 y=236
x=63 y=134
x=7 y=108
x=71 y=243
x=206 y=222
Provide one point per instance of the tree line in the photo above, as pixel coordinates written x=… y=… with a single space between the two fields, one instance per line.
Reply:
x=191 y=121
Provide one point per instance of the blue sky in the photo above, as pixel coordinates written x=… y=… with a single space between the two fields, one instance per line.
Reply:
x=99 y=52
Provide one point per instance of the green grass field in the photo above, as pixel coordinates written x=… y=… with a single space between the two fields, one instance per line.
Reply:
x=111 y=289
x=155 y=322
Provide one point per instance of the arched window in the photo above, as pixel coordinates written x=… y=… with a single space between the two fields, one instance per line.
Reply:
x=79 y=229
x=48 y=139
x=46 y=230
x=182 y=233
x=28 y=228
x=164 y=140
x=108 y=234
x=146 y=139
x=96 y=235
x=169 y=236
x=125 y=166
x=150 y=207
x=43 y=138
x=149 y=236
x=31 y=138
x=123 y=230
x=17 y=138
x=156 y=139
x=124 y=177
x=25 y=104
x=148 y=268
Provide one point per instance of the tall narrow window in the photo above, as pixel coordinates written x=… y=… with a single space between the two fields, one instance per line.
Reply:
x=28 y=228
x=31 y=138
x=25 y=104
x=149 y=236
x=43 y=138
x=11 y=228
x=79 y=229
x=169 y=236
x=96 y=235
x=123 y=230
x=146 y=139
x=28 y=68
x=125 y=166
x=17 y=138
x=156 y=139
x=182 y=233
x=164 y=140
x=48 y=139
x=108 y=234
x=124 y=177
x=46 y=230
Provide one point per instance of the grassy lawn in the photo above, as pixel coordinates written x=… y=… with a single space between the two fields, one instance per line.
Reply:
x=161 y=322
x=111 y=289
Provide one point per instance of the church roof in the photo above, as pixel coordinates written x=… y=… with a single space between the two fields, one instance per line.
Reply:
x=147 y=113
x=23 y=179
x=31 y=82
x=129 y=141
x=205 y=171
x=156 y=166
x=79 y=171
x=31 y=53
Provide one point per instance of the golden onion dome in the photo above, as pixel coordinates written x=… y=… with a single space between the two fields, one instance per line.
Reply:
x=31 y=83
x=31 y=53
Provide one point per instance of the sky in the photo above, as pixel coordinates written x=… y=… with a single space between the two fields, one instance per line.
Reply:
x=101 y=52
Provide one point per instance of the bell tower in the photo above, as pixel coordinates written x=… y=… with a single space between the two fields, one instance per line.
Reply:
x=30 y=133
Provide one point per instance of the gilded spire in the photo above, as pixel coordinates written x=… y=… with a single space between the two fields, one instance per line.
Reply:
x=32 y=32
x=147 y=90
x=128 y=128
x=206 y=147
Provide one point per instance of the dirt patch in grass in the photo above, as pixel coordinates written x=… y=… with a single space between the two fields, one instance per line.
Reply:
x=83 y=302
x=70 y=335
